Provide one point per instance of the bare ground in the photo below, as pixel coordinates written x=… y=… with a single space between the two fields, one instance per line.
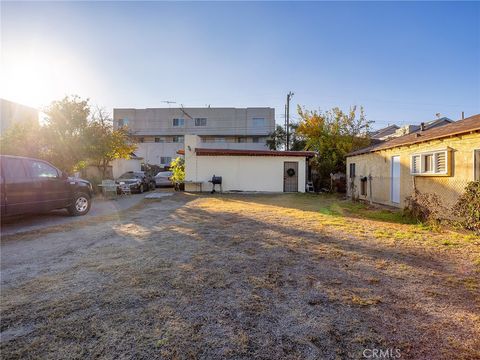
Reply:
x=242 y=277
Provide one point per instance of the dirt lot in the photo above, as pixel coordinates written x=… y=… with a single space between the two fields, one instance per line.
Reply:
x=236 y=276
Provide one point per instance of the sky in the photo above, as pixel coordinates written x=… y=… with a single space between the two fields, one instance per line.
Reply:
x=403 y=62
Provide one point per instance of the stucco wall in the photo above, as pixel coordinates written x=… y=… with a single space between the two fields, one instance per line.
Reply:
x=448 y=188
x=120 y=166
x=239 y=173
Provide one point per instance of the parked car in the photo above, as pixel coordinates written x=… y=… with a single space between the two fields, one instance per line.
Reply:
x=138 y=181
x=30 y=185
x=163 y=178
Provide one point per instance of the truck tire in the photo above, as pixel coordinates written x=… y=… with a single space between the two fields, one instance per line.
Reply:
x=80 y=205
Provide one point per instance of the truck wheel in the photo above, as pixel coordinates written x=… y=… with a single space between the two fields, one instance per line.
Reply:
x=80 y=205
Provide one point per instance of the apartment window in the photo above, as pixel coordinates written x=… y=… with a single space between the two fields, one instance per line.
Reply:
x=141 y=140
x=165 y=160
x=430 y=163
x=177 y=139
x=241 y=139
x=122 y=122
x=220 y=139
x=352 y=170
x=256 y=139
x=258 y=122
x=178 y=122
x=476 y=164
x=200 y=121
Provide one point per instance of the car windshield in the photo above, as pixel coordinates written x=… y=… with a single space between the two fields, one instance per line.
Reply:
x=130 y=175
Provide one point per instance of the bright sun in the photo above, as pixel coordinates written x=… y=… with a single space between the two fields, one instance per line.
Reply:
x=36 y=77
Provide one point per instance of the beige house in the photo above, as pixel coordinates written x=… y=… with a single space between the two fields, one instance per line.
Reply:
x=441 y=160
x=160 y=132
x=244 y=170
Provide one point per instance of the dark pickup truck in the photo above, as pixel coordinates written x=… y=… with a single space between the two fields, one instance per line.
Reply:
x=30 y=186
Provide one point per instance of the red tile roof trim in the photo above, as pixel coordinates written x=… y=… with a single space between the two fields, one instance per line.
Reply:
x=471 y=124
x=231 y=152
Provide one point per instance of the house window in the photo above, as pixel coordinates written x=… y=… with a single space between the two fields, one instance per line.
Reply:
x=476 y=165
x=200 y=121
x=430 y=163
x=165 y=160
x=178 y=122
x=352 y=170
x=177 y=139
x=363 y=186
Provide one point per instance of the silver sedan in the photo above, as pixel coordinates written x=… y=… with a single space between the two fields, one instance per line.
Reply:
x=163 y=178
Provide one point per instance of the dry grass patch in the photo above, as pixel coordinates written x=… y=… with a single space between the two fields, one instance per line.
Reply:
x=242 y=276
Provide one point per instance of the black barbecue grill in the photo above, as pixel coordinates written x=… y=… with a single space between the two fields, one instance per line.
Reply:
x=216 y=180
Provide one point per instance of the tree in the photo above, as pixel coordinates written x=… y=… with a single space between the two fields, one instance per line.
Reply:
x=22 y=139
x=105 y=144
x=64 y=132
x=333 y=134
x=177 y=167
x=276 y=139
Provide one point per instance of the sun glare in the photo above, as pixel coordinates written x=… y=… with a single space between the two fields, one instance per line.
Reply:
x=37 y=77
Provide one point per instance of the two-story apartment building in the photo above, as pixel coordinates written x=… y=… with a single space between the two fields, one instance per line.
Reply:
x=160 y=131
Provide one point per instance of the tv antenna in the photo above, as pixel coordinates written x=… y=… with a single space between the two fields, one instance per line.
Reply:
x=168 y=102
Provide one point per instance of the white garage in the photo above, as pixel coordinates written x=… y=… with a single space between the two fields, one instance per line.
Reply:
x=244 y=170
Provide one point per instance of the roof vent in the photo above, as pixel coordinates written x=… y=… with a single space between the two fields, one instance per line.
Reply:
x=417 y=135
x=422 y=126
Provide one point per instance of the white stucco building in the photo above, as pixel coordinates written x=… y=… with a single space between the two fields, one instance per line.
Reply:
x=244 y=170
x=160 y=132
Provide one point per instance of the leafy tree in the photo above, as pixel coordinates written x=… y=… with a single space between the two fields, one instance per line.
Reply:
x=64 y=132
x=177 y=167
x=333 y=134
x=105 y=144
x=297 y=141
x=278 y=138
x=23 y=139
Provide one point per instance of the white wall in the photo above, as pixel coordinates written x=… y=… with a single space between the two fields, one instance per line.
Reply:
x=120 y=166
x=242 y=173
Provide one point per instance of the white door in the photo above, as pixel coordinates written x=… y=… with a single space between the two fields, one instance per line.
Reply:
x=395 y=180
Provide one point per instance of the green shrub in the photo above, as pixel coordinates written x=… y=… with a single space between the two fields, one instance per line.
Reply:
x=177 y=167
x=468 y=207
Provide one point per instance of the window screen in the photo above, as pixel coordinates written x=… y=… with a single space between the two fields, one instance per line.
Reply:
x=352 y=170
x=200 y=121
x=258 y=122
x=178 y=122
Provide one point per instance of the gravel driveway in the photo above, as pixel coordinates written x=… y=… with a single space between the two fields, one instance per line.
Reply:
x=213 y=277
x=20 y=224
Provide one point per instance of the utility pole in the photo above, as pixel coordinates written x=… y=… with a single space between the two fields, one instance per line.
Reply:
x=287 y=127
